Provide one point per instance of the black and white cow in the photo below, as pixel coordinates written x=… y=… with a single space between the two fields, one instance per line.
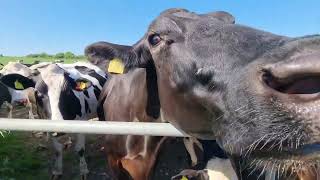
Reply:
x=16 y=88
x=68 y=92
x=18 y=80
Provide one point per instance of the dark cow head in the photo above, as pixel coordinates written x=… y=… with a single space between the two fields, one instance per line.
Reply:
x=255 y=92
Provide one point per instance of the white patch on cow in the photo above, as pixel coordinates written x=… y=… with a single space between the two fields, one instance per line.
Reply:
x=199 y=71
x=40 y=65
x=16 y=68
x=143 y=153
x=128 y=152
x=17 y=95
x=221 y=169
x=54 y=78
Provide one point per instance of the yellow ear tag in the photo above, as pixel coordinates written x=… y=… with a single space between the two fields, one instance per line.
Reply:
x=116 y=66
x=184 y=178
x=18 y=85
x=81 y=86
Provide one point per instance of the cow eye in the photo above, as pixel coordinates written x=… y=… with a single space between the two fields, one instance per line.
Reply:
x=154 y=39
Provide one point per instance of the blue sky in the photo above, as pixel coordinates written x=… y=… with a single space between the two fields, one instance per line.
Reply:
x=34 y=26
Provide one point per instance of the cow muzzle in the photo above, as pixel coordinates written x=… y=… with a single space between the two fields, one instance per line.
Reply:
x=293 y=87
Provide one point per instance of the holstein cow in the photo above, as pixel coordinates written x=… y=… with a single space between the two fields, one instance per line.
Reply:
x=17 y=79
x=255 y=92
x=18 y=93
x=71 y=92
x=129 y=97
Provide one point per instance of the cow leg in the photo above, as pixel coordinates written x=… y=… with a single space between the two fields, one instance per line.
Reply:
x=80 y=149
x=29 y=106
x=190 y=146
x=9 y=108
x=57 y=166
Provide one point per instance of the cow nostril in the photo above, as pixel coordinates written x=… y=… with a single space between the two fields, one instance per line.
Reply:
x=293 y=84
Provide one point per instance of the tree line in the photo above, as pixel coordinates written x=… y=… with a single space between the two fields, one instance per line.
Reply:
x=61 y=55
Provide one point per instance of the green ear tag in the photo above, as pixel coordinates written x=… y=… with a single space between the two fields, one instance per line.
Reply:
x=116 y=66
x=18 y=85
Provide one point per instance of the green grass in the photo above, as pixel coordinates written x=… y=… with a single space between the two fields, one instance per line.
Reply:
x=20 y=160
x=29 y=60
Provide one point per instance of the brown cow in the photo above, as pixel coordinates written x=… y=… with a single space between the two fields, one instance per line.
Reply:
x=124 y=98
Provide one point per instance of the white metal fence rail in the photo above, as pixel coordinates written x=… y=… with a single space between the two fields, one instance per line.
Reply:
x=91 y=127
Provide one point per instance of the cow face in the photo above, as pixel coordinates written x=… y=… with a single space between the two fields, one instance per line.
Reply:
x=255 y=92
x=68 y=91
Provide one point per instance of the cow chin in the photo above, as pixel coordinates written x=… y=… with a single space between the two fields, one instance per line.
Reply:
x=296 y=153
x=286 y=146
x=281 y=135
x=294 y=160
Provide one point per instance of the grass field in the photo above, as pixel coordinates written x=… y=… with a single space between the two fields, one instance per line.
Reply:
x=29 y=60
x=21 y=160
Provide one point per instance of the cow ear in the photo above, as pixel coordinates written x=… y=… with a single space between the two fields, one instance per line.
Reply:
x=17 y=81
x=110 y=57
x=223 y=16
